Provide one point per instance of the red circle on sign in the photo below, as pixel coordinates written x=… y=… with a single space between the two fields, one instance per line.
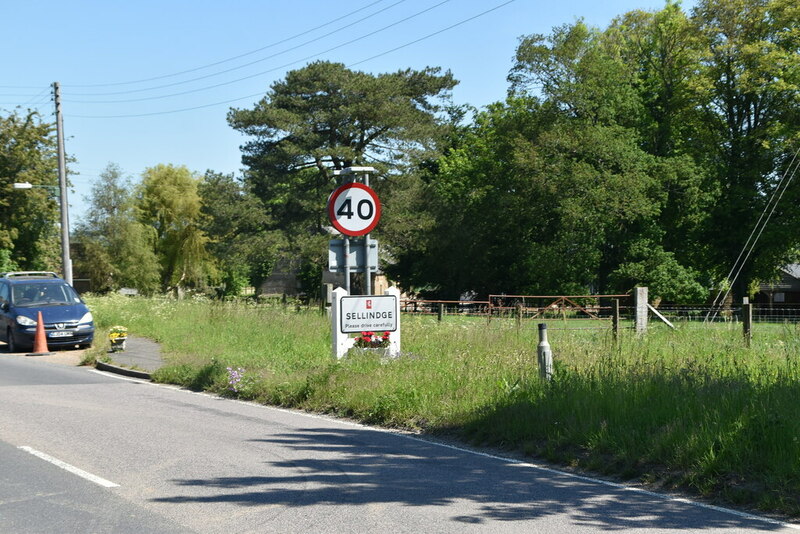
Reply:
x=354 y=209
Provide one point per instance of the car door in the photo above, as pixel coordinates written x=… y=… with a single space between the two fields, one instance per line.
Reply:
x=5 y=303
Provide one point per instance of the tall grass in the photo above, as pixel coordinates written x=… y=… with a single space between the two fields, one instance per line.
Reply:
x=692 y=408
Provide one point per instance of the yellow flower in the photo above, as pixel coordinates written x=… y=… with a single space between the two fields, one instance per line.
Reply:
x=116 y=332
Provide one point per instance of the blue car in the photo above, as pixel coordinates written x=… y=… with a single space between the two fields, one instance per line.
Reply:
x=67 y=320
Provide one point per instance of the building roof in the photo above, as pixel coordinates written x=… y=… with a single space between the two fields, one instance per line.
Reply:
x=792 y=270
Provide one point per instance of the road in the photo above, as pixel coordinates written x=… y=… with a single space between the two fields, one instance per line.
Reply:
x=161 y=459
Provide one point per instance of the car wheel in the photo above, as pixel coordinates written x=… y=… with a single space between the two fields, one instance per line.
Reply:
x=12 y=343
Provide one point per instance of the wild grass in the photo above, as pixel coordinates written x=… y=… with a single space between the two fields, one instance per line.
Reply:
x=692 y=409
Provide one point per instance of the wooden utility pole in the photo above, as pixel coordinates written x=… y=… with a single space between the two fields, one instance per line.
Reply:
x=66 y=261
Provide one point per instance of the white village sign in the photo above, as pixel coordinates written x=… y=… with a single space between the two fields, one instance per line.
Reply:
x=368 y=313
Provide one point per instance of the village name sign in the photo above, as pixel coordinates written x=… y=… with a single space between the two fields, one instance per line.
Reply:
x=368 y=313
x=354 y=210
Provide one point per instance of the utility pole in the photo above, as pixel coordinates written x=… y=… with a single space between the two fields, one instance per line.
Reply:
x=66 y=261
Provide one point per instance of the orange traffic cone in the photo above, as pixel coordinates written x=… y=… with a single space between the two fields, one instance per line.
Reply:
x=39 y=339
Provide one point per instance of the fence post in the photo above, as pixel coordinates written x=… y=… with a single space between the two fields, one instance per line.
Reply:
x=747 y=321
x=615 y=320
x=518 y=311
x=326 y=299
x=440 y=313
x=545 y=355
x=641 y=310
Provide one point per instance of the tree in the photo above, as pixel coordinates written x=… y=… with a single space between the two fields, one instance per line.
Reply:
x=752 y=68
x=323 y=118
x=29 y=233
x=535 y=202
x=712 y=96
x=116 y=249
x=560 y=188
x=663 y=50
x=242 y=240
x=168 y=202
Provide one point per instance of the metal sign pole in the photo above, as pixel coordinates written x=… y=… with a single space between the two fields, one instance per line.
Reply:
x=347 y=264
x=354 y=210
x=367 y=274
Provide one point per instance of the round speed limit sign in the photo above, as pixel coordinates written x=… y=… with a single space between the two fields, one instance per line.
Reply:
x=354 y=209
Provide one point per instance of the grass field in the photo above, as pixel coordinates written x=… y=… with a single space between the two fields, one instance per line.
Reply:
x=691 y=409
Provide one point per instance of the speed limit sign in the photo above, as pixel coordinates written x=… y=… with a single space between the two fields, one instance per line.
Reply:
x=354 y=209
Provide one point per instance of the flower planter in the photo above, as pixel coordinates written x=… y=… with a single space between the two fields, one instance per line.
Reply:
x=117 y=335
x=377 y=351
x=118 y=344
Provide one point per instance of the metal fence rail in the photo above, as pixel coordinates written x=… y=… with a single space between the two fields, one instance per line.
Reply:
x=589 y=308
x=761 y=314
x=545 y=308
x=444 y=307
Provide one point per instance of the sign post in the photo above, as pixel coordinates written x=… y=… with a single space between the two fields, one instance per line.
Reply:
x=356 y=260
x=354 y=210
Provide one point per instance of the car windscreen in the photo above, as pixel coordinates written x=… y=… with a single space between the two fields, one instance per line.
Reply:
x=41 y=294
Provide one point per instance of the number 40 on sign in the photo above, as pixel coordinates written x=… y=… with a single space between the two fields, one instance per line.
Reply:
x=354 y=209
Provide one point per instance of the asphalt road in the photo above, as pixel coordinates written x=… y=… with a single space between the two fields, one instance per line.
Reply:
x=159 y=459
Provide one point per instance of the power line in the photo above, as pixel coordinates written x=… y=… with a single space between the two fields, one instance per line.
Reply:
x=131 y=91
x=233 y=58
x=167 y=112
x=34 y=101
x=312 y=56
x=38 y=97
x=755 y=235
x=431 y=34
x=21 y=95
x=136 y=115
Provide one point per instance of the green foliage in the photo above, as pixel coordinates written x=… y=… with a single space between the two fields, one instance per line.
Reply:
x=6 y=263
x=536 y=203
x=664 y=131
x=115 y=249
x=752 y=73
x=243 y=239
x=651 y=266
x=167 y=200
x=28 y=218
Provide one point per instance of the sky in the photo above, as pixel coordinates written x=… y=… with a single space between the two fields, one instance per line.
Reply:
x=151 y=82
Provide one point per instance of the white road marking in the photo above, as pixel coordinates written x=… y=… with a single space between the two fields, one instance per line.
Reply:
x=71 y=468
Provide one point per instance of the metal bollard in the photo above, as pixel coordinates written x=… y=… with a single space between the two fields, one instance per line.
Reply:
x=545 y=355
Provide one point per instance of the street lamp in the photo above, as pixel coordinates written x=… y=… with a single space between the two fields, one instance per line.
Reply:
x=66 y=261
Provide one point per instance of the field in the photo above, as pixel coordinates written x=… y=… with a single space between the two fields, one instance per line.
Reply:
x=691 y=409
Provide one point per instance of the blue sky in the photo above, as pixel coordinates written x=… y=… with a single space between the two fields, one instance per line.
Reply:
x=150 y=82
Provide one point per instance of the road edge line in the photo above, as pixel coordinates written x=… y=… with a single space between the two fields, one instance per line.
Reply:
x=70 y=468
